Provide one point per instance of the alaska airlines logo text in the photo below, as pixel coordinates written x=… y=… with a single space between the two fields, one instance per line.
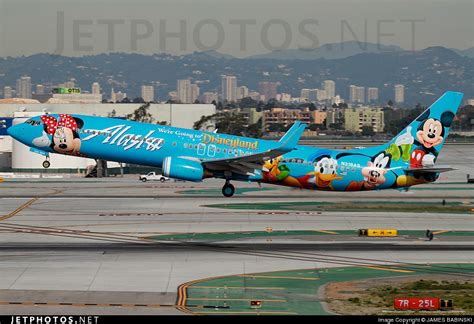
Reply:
x=234 y=143
x=117 y=135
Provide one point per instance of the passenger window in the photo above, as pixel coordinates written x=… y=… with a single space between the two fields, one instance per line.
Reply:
x=201 y=149
x=211 y=150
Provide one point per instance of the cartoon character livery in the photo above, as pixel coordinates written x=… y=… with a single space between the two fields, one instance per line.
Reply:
x=408 y=159
x=63 y=131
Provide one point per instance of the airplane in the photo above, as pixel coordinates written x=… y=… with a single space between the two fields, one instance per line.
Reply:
x=192 y=155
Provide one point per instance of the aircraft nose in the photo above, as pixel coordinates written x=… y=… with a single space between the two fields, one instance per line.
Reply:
x=16 y=131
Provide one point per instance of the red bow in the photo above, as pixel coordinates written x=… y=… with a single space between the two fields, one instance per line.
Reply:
x=64 y=121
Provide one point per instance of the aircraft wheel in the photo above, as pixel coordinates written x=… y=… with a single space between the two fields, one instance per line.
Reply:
x=228 y=190
x=46 y=164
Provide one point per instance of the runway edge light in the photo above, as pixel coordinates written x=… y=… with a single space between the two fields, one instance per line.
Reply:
x=256 y=303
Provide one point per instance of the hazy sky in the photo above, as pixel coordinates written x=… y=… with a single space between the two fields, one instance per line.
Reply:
x=239 y=28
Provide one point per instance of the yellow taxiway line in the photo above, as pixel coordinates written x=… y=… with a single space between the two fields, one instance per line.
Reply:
x=390 y=269
x=277 y=277
x=327 y=232
x=19 y=209
x=235 y=287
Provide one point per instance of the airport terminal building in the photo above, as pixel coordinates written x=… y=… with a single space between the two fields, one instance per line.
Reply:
x=16 y=157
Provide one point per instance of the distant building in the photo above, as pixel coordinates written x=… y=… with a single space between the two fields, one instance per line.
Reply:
x=83 y=98
x=352 y=93
x=305 y=93
x=41 y=95
x=356 y=118
x=372 y=94
x=255 y=95
x=68 y=84
x=330 y=88
x=208 y=97
x=250 y=115
x=284 y=117
x=148 y=93
x=312 y=94
x=184 y=91
x=356 y=94
x=470 y=102
x=283 y=97
x=39 y=89
x=361 y=94
x=399 y=93
x=96 y=88
x=268 y=89
x=229 y=88
x=117 y=96
x=336 y=100
x=194 y=93
x=318 y=116
x=23 y=87
x=7 y=92
x=173 y=95
x=331 y=116
x=321 y=95
x=242 y=92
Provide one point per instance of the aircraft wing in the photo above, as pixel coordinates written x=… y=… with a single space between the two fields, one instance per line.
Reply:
x=246 y=165
x=433 y=169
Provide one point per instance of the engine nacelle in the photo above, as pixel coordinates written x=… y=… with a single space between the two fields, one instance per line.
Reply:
x=180 y=168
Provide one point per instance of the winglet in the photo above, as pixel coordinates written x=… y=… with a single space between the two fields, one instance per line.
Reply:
x=290 y=139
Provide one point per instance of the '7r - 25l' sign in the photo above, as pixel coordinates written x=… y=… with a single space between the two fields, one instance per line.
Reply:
x=424 y=303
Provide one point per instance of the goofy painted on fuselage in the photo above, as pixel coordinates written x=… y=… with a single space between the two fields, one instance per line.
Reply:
x=408 y=159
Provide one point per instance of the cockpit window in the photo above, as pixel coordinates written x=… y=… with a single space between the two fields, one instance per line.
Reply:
x=33 y=122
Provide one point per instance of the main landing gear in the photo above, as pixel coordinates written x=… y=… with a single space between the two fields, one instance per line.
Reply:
x=46 y=163
x=228 y=189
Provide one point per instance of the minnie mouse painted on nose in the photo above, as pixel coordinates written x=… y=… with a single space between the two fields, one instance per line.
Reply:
x=65 y=133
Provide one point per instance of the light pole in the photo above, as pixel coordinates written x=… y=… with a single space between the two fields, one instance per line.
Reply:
x=171 y=112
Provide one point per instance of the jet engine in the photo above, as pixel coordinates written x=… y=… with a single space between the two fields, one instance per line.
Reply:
x=181 y=168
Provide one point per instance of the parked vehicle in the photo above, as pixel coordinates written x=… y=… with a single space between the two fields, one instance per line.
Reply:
x=153 y=176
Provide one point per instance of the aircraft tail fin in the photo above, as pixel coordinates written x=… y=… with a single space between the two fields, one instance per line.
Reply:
x=421 y=141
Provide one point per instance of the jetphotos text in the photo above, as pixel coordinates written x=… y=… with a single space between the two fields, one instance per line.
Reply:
x=119 y=135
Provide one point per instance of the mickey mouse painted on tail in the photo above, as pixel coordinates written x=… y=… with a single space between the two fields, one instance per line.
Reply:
x=430 y=133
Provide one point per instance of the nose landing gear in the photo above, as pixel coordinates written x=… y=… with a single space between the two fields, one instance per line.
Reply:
x=46 y=163
x=228 y=189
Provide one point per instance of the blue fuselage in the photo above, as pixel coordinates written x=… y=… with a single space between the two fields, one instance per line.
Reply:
x=146 y=144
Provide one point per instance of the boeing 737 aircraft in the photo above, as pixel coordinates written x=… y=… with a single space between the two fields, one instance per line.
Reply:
x=408 y=159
